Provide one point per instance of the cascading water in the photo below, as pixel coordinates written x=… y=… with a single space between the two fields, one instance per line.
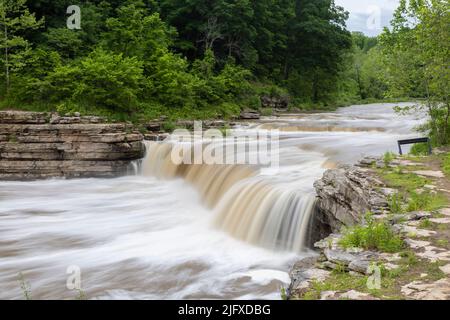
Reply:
x=246 y=204
x=184 y=231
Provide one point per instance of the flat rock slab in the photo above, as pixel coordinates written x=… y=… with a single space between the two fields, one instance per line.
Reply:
x=301 y=280
x=439 y=290
x=440 y=220
x=430 y=173
x=331 y=242
x=390 y=257
x=435 y=254
x=445 y=211
x=406 y=163
x=391 y=266
x=416 y=244
x=410 y=230
x=358 y=261
x=349 y=295
x=445 y=269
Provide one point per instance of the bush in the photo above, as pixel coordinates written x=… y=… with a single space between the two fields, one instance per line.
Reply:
x=372 y=236
x=419 y=149
x=102 y=79
x=395 y=203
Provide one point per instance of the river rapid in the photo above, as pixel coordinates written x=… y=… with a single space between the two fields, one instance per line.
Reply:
x=154 y=235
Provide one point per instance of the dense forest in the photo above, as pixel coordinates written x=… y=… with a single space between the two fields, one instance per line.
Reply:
x=139 y=59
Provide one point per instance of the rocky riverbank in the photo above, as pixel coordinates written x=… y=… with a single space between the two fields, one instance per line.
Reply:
x=399 y=251
x=37 y=145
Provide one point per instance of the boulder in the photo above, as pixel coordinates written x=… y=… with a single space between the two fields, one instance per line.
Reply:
x=344 y=195
x=154 y=126
x=358 y=261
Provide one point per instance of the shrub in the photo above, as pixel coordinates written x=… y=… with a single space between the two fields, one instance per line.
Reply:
x=395 y=203
x=388 y=157
x=102 y=79
x=374 y=235
x=419 y=149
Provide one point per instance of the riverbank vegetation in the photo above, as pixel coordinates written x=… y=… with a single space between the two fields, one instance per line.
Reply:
x=409 y=246
x=373 y=235
x=142 y=59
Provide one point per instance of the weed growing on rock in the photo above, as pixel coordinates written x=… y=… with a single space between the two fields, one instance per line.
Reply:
x=374 y=235
x=388 y=158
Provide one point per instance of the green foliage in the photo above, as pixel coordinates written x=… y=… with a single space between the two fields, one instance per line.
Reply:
x=409 y=257
x=419 y=149
x=336 y=282
x=102 y=79
x=425 y=224
x=417 y=62
x=192 y=58
x=374 y=235
x=446 y=164
x=404 y=181
x=283 y=294
x=388 y=158
x=15 y=20
x=395 y=203
x=426 y=201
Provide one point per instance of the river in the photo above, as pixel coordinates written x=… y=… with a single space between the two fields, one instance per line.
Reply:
x=206 y=233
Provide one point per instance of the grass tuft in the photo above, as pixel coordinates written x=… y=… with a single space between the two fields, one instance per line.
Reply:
x=374 y=235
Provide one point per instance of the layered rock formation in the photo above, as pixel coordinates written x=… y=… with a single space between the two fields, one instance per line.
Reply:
x=279 y=103
x=344 y=195
x=44 y=145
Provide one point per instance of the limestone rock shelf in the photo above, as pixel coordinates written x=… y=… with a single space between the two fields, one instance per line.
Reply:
x=37 y=145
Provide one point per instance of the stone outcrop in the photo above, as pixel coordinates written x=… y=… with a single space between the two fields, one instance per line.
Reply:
x=279 y=103
x=37 y=145
x=344 y=195
x=250 y=115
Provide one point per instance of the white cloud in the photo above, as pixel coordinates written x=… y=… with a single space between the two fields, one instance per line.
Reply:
x=369 y=16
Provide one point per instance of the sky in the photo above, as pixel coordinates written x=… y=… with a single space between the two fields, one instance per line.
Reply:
x=369 y=16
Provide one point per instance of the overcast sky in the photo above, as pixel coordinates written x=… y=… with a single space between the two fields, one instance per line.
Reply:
x=369 y=16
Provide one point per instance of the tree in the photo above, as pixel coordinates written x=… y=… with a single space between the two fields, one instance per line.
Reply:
x=135 y=31
x=417 y=53
x=102 y=79
x=15 y=19
x=318 y=41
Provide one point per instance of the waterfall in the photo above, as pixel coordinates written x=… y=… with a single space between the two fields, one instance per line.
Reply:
x=245 y=205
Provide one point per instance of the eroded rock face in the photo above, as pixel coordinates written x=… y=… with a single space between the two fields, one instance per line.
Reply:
x=281 y=103
x=344 y=195
x=43 y=145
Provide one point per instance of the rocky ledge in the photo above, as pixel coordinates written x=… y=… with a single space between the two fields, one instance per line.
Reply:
x=419 y=268
x=37 y=145
x=344 y=194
